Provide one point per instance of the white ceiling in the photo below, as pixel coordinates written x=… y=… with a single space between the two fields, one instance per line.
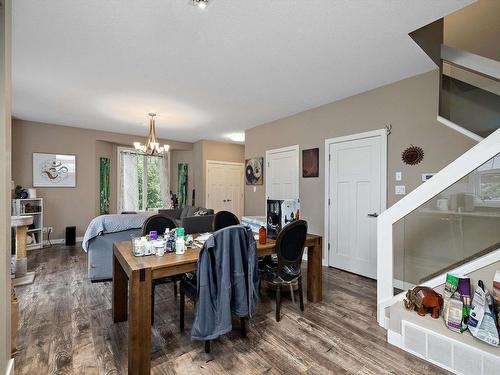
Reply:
x=234 y=65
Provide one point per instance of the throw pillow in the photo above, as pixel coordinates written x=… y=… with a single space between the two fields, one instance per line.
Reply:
x=201 y=213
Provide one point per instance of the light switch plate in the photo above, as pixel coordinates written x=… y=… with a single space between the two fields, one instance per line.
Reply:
x=399 y=176
x=400 y=190
x=254 y=189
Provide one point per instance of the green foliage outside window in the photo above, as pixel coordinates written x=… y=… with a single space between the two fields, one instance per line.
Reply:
x=153 y=183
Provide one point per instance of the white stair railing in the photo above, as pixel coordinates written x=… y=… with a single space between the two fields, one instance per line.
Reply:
x=461 y=167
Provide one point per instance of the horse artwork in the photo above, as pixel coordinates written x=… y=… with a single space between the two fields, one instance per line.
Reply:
x=104 y=186
x=182 y=181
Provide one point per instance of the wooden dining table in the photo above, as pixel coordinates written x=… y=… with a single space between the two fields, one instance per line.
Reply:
x=132 y=285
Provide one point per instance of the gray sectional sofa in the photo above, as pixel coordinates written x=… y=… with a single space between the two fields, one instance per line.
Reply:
x=100 y=253
x=193 y=219
x=105 y=230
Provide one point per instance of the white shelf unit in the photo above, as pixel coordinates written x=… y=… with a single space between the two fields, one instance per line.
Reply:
x=19 y=207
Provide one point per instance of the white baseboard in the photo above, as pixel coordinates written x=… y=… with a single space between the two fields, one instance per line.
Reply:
x=394 y=338
x=10 y=367
x=60 y=241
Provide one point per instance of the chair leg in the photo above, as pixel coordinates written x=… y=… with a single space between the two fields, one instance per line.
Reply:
x=207 y=346
x=301 y=294
x=243 y=327
x=182 y=306
x=153 y=287
x=278 y=302
x=175 y=288
x=291 y=293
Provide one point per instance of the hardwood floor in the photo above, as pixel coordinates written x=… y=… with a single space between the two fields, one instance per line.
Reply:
x=66 y=327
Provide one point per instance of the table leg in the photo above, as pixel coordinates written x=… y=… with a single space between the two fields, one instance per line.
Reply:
x=139 y=323
x=314 y=272
x=120 y=292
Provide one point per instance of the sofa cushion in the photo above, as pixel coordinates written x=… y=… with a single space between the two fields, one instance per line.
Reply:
x=201 y=212
x=184 y=212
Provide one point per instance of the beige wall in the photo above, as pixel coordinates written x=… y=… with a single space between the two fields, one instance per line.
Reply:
x=70 y=206
x=409 y=105
x=5 y=173
x=210 y=150
x=475 y=28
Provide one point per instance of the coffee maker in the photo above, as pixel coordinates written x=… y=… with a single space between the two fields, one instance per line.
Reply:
x=279 y=213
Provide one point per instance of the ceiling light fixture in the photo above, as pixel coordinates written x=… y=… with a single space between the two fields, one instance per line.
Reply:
x=201 y=3
x=237 y=137
x=152 y=146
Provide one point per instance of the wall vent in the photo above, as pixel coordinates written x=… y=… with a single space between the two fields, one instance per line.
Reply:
x=447 y=353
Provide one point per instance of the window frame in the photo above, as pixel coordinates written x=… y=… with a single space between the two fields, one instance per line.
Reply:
x=144 y=202
x=476 y=182
x=476 y=185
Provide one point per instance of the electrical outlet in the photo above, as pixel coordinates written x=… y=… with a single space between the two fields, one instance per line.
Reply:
x=44 y=230
x=50 y=229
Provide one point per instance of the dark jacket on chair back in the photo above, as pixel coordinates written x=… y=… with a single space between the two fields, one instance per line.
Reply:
x=227 y=281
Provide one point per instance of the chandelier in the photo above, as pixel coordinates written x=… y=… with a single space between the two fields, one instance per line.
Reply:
x=152 y=146
x=200 y=3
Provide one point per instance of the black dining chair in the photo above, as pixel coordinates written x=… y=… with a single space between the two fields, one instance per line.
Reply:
x=160 y=224
x=224 y=219
x=287 y=270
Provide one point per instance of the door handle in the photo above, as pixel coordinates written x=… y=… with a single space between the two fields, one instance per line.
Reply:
x=373 y=215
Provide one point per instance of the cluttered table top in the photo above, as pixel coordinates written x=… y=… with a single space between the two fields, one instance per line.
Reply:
x=185 y=262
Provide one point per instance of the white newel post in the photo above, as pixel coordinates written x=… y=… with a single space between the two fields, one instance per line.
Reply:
x=385 y=266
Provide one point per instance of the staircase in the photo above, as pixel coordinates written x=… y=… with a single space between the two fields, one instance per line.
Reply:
x=451 y=223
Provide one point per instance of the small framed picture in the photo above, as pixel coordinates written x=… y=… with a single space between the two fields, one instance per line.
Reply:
x=54 y=170
x=253 y=171
x=310 y=162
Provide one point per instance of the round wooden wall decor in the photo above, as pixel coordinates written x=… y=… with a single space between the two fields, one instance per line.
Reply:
x=412 y=155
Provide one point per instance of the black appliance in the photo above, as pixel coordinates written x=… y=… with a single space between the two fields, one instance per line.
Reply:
x=279 y=213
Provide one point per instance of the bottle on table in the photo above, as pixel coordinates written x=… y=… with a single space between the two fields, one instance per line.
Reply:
x=262 y=235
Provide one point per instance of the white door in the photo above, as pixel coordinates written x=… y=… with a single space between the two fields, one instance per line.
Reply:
x=282 y=173
x=225 y=187
x=356 y=178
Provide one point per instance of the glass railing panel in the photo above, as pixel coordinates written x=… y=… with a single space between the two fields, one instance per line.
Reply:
x=470 y=100
x=456 y=226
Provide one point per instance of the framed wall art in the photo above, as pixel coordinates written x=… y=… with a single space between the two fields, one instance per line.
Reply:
x=54 y=170
x=182 y=181
x=104 y=186
x=310 y=162
x=253 y=171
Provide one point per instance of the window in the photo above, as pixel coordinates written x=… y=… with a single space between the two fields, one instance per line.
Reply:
x=487 y=182
x=143 y=181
